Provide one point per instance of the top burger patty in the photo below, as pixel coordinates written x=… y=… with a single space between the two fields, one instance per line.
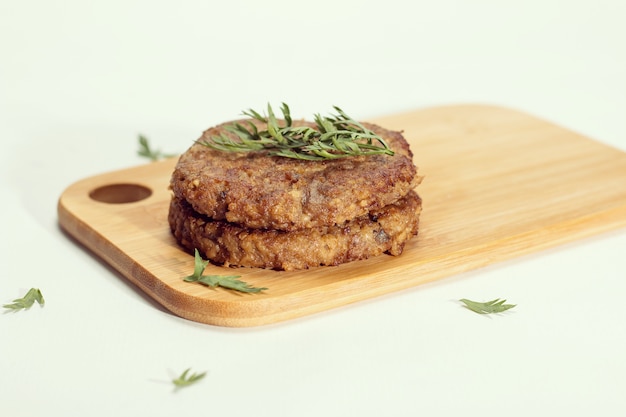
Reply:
x=259 y=191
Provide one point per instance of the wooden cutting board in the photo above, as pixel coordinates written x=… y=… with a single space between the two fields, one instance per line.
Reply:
x=498 y=184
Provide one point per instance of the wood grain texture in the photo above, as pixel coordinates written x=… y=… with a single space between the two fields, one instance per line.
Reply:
x=498 y=184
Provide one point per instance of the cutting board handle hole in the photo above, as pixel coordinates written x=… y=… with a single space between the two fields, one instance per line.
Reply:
x=120 y=193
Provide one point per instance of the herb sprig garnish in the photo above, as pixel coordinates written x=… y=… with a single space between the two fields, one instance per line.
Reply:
x=227 y=281
x=488 y=307
x=185 y=380
x=147 y=151
x=335 y=136
x=26 y=302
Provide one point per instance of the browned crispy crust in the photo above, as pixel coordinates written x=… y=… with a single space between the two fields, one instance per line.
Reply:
x=255 y=190
x=383 y=230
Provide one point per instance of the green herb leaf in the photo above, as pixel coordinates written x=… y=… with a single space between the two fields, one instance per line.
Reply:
x=226 y=281
x=335 y=136
x=26 y=302
x=146 y=151
x=184 y=380
x=489 y=307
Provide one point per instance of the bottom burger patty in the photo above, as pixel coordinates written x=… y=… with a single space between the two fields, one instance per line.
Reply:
x=382 y=231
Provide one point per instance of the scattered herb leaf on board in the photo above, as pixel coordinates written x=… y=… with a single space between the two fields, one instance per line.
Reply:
x=185 y=380
x=227 y=281
x=26 y=302
x=488 y=307
x=335 y=136
x=146 y=151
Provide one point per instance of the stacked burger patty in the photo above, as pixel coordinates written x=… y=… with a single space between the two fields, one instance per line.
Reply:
x=251 y=209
